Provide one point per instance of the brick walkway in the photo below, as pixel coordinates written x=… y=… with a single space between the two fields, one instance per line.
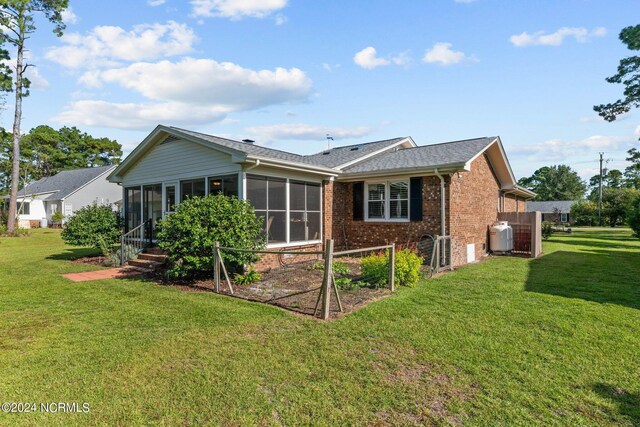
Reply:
x=110 y=273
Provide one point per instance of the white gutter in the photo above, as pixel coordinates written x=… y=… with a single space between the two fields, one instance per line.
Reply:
x=255 y=165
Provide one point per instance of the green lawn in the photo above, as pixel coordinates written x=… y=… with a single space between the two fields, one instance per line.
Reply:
x=510 y=341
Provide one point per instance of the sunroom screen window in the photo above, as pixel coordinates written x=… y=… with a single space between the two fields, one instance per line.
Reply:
x=304 y=219
x=192 y=188
x=226 y=185
x=268 y=197
x=376 y=201
x=399 y=200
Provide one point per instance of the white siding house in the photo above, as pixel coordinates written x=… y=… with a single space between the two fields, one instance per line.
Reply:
x=66 y=192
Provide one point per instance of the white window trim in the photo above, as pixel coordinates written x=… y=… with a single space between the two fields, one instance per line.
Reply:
x=566 y=217
x=387 y=201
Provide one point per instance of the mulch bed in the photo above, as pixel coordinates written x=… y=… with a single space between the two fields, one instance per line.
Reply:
x=296 y=287
x=92 y=260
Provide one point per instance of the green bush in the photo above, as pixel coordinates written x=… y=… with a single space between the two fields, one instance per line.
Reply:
x=585 y=212
x=57 y=217
x=248 y=278
x=547 y=229
x=408 y=265
x=113 y=257
x=188 y=235
x=94 y=225
x=339 y=268
x=375 y=268
x=633 y=216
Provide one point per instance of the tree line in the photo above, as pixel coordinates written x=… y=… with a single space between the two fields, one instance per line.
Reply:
x=45 y=151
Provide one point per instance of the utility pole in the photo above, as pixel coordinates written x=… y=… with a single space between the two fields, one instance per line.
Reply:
x=600 y=194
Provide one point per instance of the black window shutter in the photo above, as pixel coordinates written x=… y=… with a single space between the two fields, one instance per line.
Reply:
x=358 y=201
x=415 y=196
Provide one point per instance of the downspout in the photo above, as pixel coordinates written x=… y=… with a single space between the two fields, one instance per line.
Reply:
x=443 y=217
x=253 y=166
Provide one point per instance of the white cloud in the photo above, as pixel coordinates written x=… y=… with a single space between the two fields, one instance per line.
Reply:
x=191 y=91
x=637 y=132
x=580 y=34
x=237 y=9
x=109 y=45
x=137 y=116
x=301 y=131
x=69 y=17
x=280 y=19
x=557 y=150
x=154 y=3
x=441 y=53
x=402 y=59
x=367 y=58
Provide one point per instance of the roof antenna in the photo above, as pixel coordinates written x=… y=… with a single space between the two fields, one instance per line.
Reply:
x=329 y=139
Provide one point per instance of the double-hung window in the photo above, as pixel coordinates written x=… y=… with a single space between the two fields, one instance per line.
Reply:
x=388 y=201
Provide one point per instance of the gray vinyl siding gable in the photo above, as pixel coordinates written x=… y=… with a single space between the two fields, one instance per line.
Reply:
x=178 y=160
x=98 y=191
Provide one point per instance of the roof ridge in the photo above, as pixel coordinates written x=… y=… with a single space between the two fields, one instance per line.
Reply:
x=233 y=140
x=456 y=141
x=360 y=144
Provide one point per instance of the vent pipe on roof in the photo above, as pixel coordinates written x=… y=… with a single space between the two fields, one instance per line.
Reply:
x=248 y=141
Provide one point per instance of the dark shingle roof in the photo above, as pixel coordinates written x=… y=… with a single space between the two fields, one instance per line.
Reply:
x=426 y=156
x=563 y=206
x=250 y=149
x=65 y=182
x=340 y=155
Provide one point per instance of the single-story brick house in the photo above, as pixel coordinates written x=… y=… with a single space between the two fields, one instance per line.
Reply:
x=359 y=195
x=66 y=192
x=556 y=211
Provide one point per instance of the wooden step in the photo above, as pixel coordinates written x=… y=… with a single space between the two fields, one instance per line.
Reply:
x=154 y=251
x=153 y=257
x=144 y=263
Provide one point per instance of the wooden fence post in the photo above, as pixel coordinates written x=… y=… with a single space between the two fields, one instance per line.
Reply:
x=326 y=280
x=392 y=267
x=216 y=266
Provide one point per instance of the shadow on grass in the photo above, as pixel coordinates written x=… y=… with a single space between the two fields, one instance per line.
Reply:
x=72 y=254
x=628 y=403
x=597 y=275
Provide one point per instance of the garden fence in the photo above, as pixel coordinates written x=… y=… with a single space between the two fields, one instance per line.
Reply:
x=328 y=288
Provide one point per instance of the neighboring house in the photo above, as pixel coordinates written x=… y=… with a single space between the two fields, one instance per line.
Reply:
x=557 y=211
x=67 y=191
x=359 y=195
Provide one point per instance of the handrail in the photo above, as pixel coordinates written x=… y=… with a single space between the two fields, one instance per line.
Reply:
x=136 y=238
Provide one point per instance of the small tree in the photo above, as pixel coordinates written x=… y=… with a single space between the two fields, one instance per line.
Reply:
x=188 y=235
x=584 y=212
x=633 y=216
x=95 y=225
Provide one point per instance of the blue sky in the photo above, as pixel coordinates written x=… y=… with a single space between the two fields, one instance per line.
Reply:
x=287 y=72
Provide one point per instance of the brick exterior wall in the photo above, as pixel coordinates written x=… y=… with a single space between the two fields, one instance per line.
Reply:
x=474 y=208
x=360 y=234
x=471 y=200
x=268 y=261
x=514 y=204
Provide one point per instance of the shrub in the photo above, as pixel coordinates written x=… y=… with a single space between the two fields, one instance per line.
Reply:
x=408 y=265
x=130 y=252
x=375 y=268
x=57 y=217
x=339 y=268
x=247 y=278
x=585 y=212
x=94 y=225
x=547 y=229
x=633 y=216
x=188 y=235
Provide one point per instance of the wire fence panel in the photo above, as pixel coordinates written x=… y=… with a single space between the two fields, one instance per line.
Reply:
x=306 y=286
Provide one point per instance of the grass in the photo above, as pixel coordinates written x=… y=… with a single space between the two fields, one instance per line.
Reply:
x=510 y=341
